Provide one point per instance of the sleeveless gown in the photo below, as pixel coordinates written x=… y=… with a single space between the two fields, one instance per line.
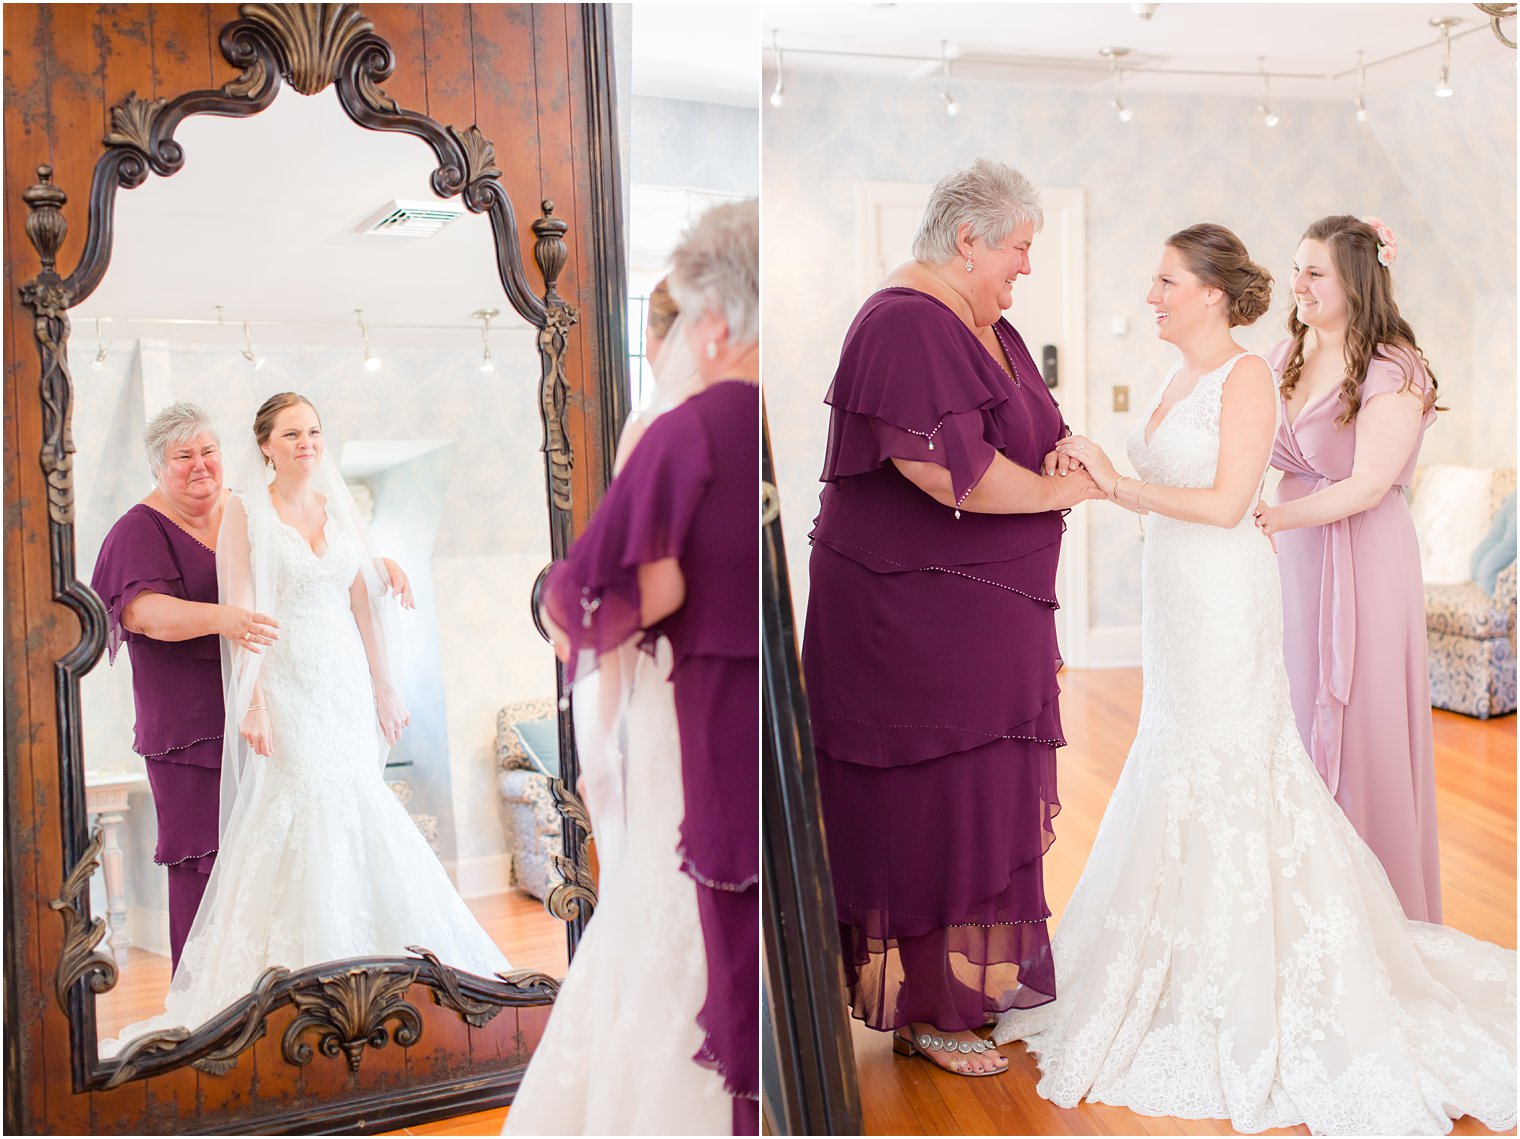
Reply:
x=324 y=863
x=1233 y=949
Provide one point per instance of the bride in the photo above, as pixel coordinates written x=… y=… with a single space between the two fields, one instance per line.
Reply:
x=319 y=860
x=1233 y=949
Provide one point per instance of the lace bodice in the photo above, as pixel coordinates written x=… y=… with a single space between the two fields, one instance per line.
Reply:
x=1233 y=949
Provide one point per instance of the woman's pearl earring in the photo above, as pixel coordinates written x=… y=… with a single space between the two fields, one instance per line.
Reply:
x=969 y=265
x=712 y=350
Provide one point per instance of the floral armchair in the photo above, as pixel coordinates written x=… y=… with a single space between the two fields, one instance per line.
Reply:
x=534 y=832
x=1472 y=634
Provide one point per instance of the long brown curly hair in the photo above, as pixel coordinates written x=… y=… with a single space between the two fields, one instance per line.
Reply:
x=1374 y=326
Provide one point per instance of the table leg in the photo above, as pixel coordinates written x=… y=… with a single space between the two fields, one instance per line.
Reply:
x=116 y=893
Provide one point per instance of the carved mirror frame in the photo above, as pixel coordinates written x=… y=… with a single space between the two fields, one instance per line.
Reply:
x=347 y=1006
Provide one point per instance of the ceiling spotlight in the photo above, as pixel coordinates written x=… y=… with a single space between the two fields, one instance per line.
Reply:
x=952 y=108
x=1264 y=108
x=1445 y=23
x=484 y=315
x=247 y=349
x=1144 y=11
x=778 y=95
x=1114 y=55
x=100 y=355
x=371 y=361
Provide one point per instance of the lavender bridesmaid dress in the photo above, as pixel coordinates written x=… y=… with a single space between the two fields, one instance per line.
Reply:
x=1354 y=637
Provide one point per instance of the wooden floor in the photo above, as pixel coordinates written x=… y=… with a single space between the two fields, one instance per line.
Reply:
x=527 y=934
x=1475 y=788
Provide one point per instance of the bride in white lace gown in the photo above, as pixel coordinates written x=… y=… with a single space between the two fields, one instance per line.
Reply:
x=1233 y=949
x=319 y=860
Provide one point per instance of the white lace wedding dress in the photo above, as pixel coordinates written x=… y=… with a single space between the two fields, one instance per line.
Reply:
x=616 y=1057
x=1233 y=949
x=322 y=862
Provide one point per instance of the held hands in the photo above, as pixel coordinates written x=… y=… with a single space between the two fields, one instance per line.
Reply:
x=250 y=630
x=1266 y=521
x=392 y=714
x=1079 y=451
x=255 y=730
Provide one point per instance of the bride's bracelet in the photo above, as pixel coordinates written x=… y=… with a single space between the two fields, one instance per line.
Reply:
x=1114 y=493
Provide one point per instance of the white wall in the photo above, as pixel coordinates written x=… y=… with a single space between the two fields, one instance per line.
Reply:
x=1440 y=172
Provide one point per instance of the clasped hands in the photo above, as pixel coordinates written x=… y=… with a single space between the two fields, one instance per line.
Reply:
x=1079 y=453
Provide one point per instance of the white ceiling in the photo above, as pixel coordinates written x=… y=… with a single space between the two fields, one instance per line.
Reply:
x=261 y=220
x=702 y=52
x=1316 y=39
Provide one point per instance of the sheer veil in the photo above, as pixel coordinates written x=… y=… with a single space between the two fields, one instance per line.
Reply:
x=247 y=575
x=622 y=698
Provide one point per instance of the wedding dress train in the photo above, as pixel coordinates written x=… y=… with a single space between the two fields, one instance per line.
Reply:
x=1233 y=949
x=617 y=1055
x=321 y=861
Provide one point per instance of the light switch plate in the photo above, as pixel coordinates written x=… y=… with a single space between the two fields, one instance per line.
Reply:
x=1121 y=397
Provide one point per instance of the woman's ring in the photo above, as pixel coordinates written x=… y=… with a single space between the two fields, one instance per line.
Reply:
x=248 y=636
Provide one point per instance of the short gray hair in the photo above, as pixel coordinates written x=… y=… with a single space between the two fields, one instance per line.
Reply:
x=716 y=268
x=174 y=424
x=991 y=197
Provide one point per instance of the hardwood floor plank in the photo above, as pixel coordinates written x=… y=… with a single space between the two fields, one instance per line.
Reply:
x=1475 y=791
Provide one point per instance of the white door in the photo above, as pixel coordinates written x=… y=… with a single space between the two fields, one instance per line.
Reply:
x=1047 y=310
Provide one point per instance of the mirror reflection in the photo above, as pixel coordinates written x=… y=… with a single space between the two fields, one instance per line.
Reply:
x=383 y=780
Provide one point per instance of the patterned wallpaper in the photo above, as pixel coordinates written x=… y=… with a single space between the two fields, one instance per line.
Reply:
x=467 y=520
x=1421 y=164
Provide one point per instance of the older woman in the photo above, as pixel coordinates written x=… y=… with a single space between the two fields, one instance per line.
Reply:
x=655 y=611
x=156 y=574
x=930 y=650
x=1357 y=398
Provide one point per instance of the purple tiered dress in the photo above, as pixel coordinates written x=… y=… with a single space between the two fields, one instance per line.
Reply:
x=1354 y=637
x=177 y=691
x=930 y=661
x=689 y=491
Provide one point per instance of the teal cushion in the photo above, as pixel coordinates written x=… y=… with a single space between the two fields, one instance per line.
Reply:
x=540 y=739
x=1497 y=550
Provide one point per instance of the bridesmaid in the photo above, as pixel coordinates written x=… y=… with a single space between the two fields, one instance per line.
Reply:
x=1357 y=395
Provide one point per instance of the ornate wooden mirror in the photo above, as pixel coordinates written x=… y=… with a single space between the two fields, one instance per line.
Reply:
x=364 y=1043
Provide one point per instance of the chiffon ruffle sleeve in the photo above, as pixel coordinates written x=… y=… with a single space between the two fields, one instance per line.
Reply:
x=645 y=516
x=175 y=684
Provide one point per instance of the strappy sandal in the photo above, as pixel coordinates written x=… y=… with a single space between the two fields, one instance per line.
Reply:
x=925 y=1044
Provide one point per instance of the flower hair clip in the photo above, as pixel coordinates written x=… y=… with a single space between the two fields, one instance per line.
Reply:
x=1388 y=248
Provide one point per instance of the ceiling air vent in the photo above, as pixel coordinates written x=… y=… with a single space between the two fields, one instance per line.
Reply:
x=412 y=219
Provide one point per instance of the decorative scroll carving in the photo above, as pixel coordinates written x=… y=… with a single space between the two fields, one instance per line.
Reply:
x=553 y=398
x=349 y=1013
x=575 y=896
x=81 y=936
x=479 y=155
x=49 y=297
x=1496 y=13
x=132 y=122
x=311 y=38
x=224 y=1059
x=476 y=1013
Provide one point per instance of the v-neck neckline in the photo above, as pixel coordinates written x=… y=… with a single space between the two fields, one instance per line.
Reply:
x=1295 y=420
x=326 y=518
x=1152 y=432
